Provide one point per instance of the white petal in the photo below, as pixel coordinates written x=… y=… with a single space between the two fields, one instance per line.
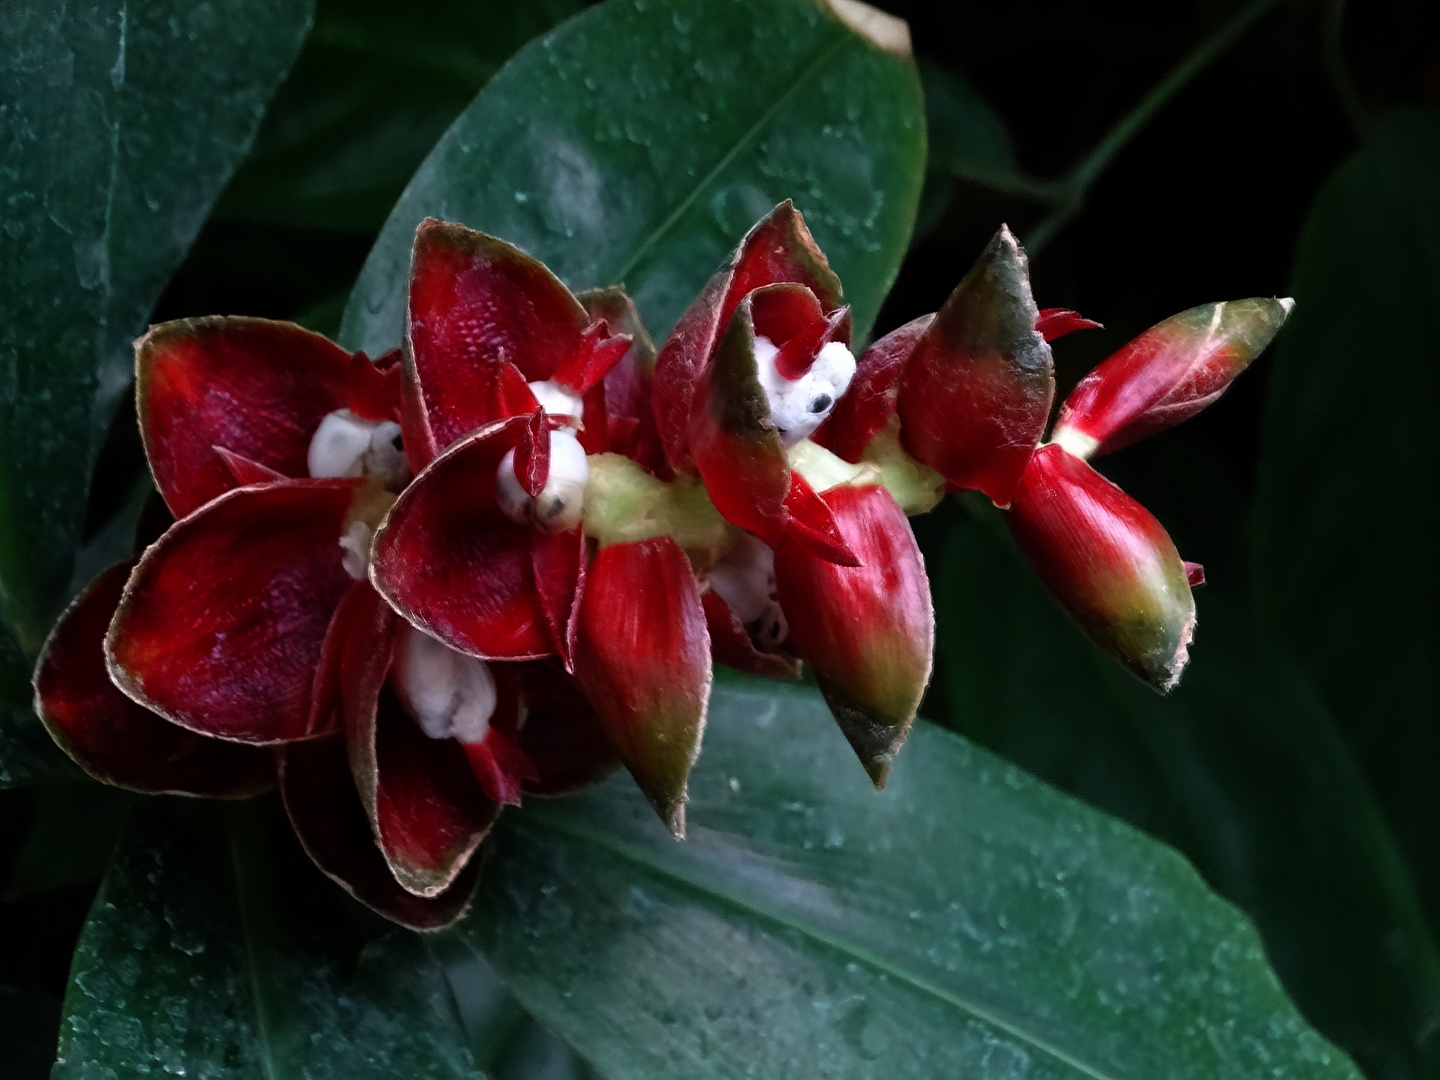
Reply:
x=450 y=695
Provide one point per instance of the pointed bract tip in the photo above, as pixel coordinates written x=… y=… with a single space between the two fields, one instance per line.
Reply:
x=675 y=818
x=1288 y=303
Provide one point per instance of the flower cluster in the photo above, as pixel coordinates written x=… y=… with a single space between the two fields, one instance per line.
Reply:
x=502 y=559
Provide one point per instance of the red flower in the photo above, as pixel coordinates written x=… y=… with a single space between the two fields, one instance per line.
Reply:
x=251 y=622
x=962 y=398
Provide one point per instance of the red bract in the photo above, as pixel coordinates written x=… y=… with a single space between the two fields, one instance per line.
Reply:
x=868 y=631
x=643 y=657
x=251 y=621
x=765 y=328
x=1167 y=374
x=111 y=737
x=967 y=393
x=1108 y=562
x=485 y=323
x=1102 y=555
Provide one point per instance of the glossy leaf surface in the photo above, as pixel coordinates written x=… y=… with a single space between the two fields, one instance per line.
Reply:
x=123 y=121
x=638 y=142
x=209 y=952
x=376 y=84
x=968 y=921
x=1345 y=560
x=1242 y=768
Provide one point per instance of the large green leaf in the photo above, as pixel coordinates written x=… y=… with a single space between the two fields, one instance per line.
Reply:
x=968 y=921
x=208 y=954
x=1242 y=769
x=121 y=121
x=1345 y=529
x=374 y=87
x=638 y=142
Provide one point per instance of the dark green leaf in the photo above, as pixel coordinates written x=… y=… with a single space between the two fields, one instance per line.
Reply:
x=1241 y=768
x=1346 y=521
x=638 y=142
x=121 y=122
x=71 y=839
x=375 y=86
x=968 y=921
x=208 y=954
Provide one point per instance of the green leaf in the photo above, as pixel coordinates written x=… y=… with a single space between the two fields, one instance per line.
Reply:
x=1242 y=768
x=375 y=86
x=121 y=122
x=1345 y=518
x=71 y=839
x=968 y=921
x=210 y=952
x=638 y=142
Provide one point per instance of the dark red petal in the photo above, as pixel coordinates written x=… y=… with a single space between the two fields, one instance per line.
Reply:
x=598 y=353
x=735 y=447
x=558 y=562
x=427 y=810
x=454 y=565
x=1170 y=372
x=783 y=315
x=868 y=406
x=246 y=472
x=256 y=387
x=1108 y=562
x=114 y=739
x=779 y=248
x=221 y=626
x=813 y=527
x=477 y=304
x=330 y=821
x=629 y=421
x=868 y=631
x=798 y=353
x=326 y=696
x=643 y=658
x=532 y=454
x=500 y=766
x=976 y=394
x=561 y=736
x=731 y=644
x=1054 y=323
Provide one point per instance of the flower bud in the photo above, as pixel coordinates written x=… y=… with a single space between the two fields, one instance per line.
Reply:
x=868 y=631
x=1108 y=562
x=975 y=394
x=1167 y=374
x=642 y=655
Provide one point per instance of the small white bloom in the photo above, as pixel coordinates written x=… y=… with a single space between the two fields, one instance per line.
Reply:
x=347 y=445
x=450 y=695
x=558 y=400
x=745 y=579
x=356 y=545
x=799 y=406
x=560 y=503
